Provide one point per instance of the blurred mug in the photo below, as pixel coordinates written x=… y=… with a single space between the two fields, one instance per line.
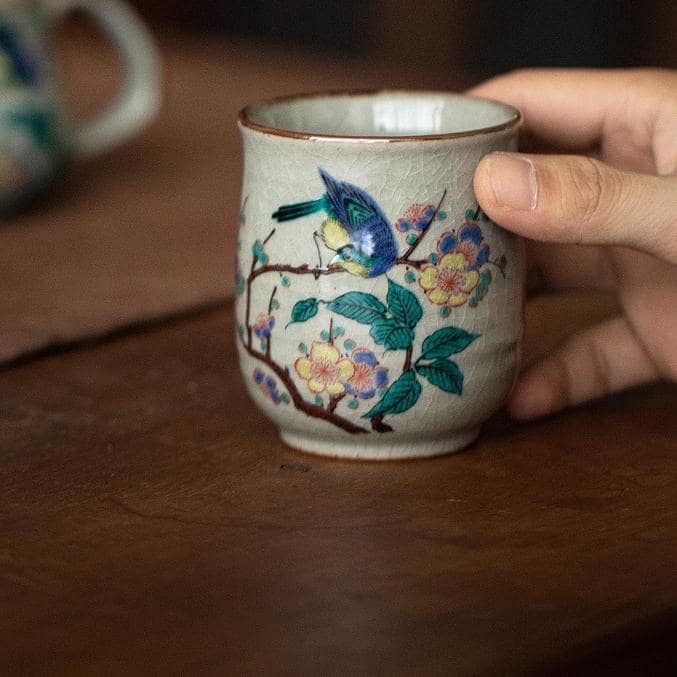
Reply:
x=36 y=134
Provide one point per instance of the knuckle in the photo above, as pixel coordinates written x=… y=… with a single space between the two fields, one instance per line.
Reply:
x=593 y=189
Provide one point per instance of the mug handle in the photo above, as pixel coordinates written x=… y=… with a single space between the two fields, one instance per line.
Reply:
x=139 y=101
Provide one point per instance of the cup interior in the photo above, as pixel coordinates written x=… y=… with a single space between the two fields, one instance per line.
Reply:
x=385 y=114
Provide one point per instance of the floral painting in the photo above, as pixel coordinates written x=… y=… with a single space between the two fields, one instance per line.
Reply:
x=335 y=377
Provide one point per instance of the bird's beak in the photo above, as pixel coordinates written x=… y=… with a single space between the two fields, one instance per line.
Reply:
x=335 y=261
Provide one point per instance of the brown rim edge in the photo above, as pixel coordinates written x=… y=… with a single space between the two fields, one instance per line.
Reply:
x=245 y=120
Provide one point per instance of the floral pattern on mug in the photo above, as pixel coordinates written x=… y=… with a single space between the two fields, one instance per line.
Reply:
x=367 y=376
x=417 y=217
x=264 y=325
x=449 y=282
x=362 y=244
x=268 y=386
x=324 y=369
x=469 y=242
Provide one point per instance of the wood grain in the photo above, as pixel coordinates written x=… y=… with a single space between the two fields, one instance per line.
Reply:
x=152 y=523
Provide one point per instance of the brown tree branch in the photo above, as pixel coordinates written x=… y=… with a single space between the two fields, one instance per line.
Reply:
x=270 y=310
x=303 y=269
x=270 y=302
x=407 y=359
x=377 y=425
x=414 y=263
x=333 y=402
x=248 y=308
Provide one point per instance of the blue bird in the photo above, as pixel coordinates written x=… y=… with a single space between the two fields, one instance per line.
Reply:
x=356 y=228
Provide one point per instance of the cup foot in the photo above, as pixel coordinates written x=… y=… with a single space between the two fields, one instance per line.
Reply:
x=361 y=450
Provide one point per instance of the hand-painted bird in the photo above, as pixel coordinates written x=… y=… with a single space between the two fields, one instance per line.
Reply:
x=356 y=228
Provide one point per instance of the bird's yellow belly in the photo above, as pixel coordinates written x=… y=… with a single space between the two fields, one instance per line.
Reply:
x=354 y=268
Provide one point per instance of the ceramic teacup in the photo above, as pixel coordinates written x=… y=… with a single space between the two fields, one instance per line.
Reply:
x=37 y=134
x=379 y=310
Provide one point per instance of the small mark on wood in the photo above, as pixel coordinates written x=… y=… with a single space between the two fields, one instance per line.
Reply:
x=295 y=467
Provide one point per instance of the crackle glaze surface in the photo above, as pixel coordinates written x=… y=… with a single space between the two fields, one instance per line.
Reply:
x=379 y=310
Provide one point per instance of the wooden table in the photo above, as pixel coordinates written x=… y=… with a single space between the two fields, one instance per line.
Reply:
x=152 y=523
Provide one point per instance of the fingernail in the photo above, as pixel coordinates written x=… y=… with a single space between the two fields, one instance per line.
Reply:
x=513 y=179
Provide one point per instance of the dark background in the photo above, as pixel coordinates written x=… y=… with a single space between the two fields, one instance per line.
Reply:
x=483 y=37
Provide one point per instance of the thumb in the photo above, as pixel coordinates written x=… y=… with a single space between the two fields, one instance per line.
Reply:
x=567 y=198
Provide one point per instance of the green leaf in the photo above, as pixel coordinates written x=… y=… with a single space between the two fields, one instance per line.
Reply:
x=403 y=305
x=401 y=396
x=358 y=306
x=446 y=341
x=444 y=374
x=303 y=310
x=391 y=334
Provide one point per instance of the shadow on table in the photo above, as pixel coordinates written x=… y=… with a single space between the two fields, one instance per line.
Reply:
x=648 y=648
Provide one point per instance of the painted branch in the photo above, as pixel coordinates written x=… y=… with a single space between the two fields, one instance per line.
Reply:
x=247 y=312
x=303 y=269
x=414 y=263
x=301 y=404
x=270 y=302
x=377 y=423
x=270 y=310
x=407 y=359
x=379 y=426
x=333 y=402
x=306 y=407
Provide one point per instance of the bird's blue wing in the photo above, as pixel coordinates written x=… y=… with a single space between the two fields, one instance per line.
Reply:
x=366 y=224
x=352 y=206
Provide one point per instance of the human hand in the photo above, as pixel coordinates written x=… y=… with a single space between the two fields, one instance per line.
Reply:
x=609 y=214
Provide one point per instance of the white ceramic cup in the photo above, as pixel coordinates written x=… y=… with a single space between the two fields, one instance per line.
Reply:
x=379 y=310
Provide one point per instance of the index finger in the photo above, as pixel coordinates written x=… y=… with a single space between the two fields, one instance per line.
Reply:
x=575 y=109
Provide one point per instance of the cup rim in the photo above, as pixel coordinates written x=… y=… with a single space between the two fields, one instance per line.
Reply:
x=245 y=120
